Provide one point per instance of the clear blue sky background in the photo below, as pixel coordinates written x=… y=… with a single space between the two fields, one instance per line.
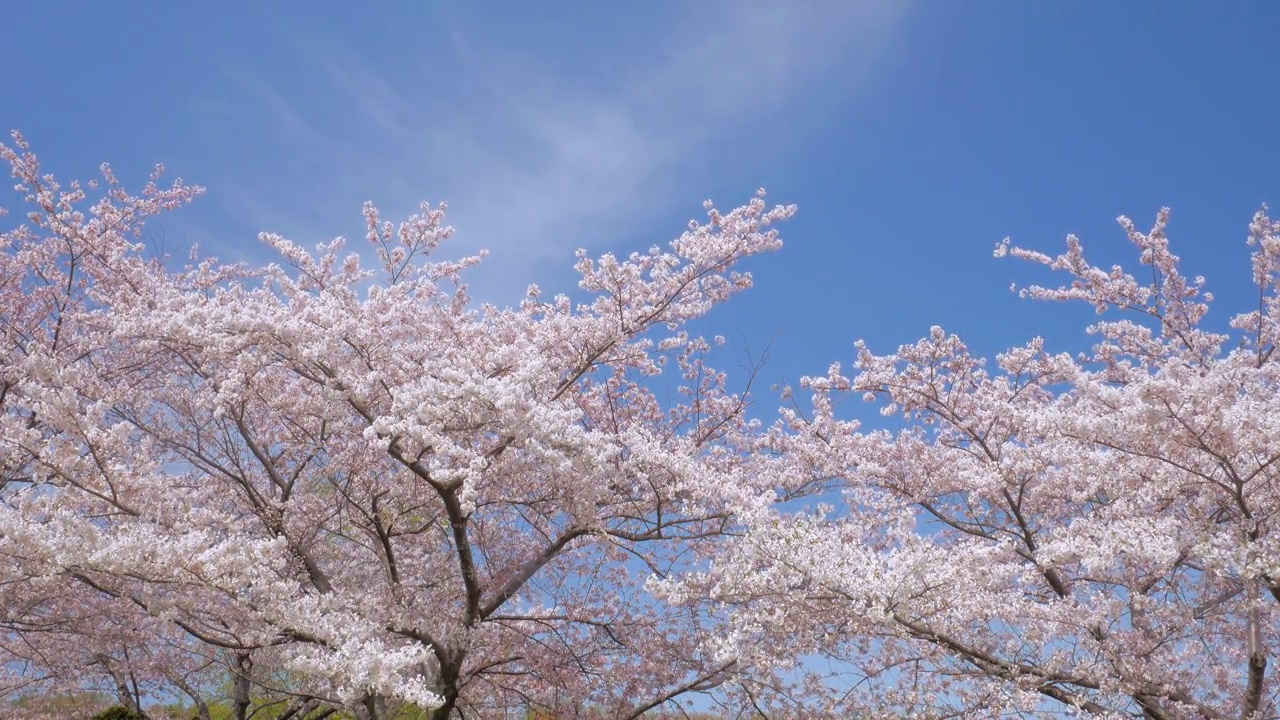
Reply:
x=913 y=136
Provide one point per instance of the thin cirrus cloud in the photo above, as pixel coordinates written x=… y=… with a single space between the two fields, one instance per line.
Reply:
x=539 y=154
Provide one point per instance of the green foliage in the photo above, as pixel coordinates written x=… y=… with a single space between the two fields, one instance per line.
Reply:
x=224 y=711
x=117 y=712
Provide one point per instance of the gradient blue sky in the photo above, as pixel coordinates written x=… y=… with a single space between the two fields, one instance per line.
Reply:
x=913 y=136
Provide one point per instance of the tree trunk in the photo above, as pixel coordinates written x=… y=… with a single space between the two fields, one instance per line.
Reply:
x=448 y=686
x=126 y=696
x=202 y=708
x=240 y=692
x=372 y=707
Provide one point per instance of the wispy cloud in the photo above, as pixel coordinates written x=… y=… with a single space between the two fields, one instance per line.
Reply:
x=536 y=159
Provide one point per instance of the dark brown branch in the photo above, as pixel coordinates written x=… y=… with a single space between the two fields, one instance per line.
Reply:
x=705 y=681
x=529 y=569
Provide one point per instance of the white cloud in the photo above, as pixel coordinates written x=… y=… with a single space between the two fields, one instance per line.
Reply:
x=536 y=160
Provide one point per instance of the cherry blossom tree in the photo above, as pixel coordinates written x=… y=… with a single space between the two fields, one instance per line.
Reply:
x=351 y=475
x=1091 y=535
x=339 y=483
x=65 y=640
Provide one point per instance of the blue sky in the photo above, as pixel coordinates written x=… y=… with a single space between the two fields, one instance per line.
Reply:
x=912 y=135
